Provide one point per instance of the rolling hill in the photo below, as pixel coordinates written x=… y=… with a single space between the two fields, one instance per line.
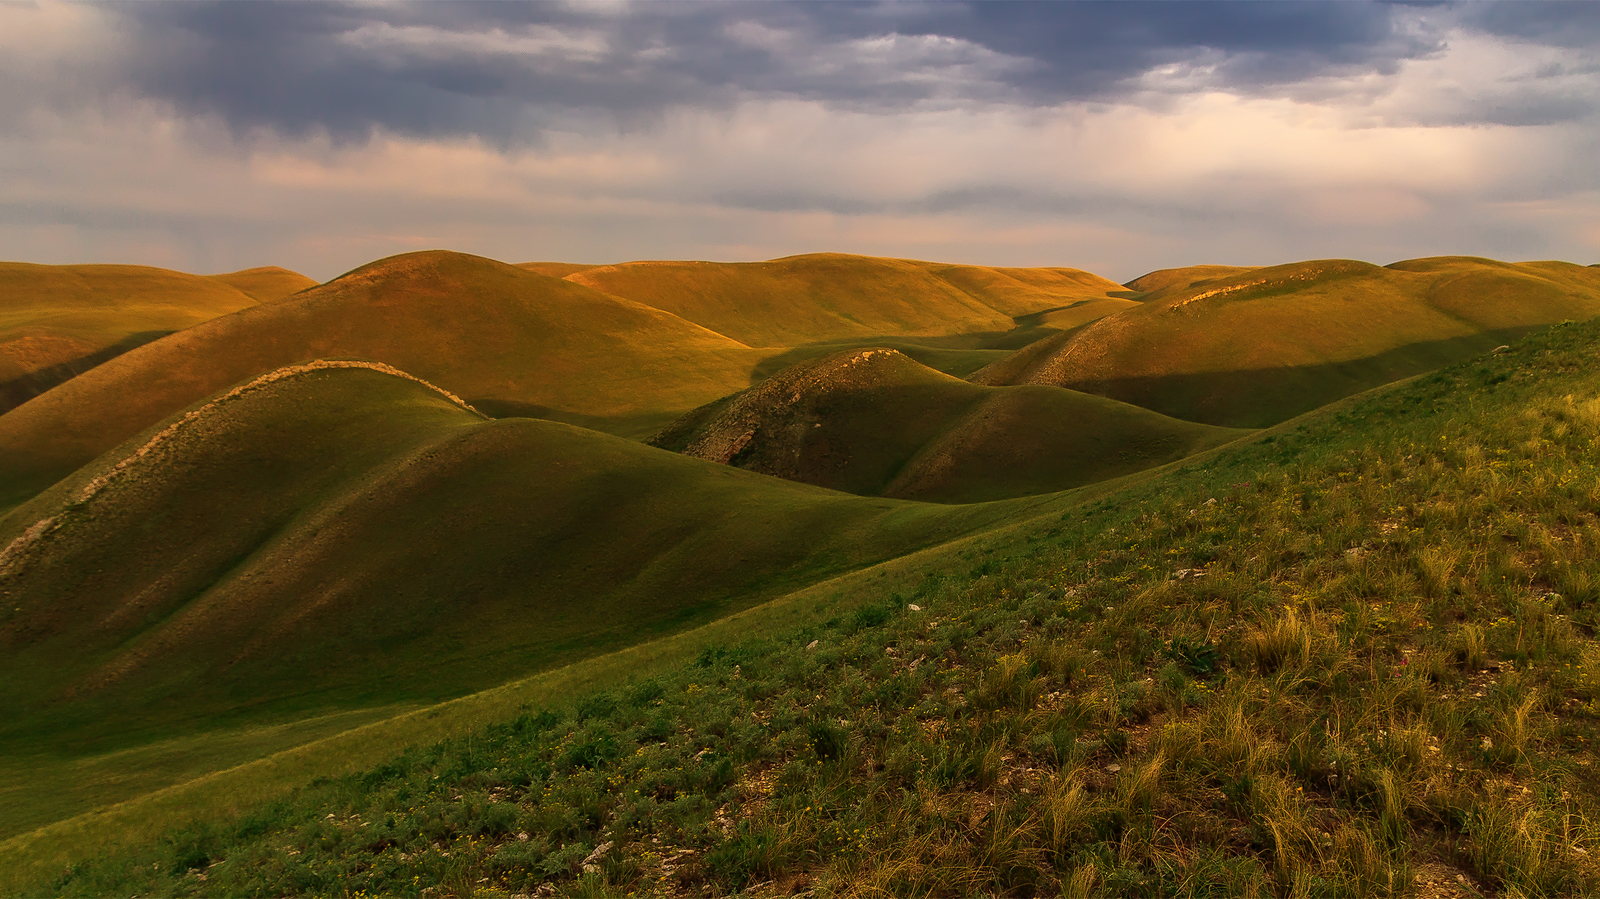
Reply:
x=58 y=321
x=340 y=535
x=875 y=422
x=555 y=269
x=831 y=296
x=508 y=339
x=298 y=521
x=266 y=283
x=1185 y=277
x=1354 y=657
x=1258 y=346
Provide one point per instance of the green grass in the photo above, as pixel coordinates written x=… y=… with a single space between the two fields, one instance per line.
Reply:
x=344 y=539
x=39 y=788
x=875 y=422
x=1259 y=346
x=1346 y=655
x=1322 y=664
x=237 y=782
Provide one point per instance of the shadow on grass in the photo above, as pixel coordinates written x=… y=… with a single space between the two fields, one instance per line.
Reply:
x=1259 y=398
x=17 y=391
x=634 y=427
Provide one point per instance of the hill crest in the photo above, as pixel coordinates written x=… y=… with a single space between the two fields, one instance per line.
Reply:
x=820 y=297
x=478 y=328
x=1261 y=345
x=58 y=321
x=875 y=422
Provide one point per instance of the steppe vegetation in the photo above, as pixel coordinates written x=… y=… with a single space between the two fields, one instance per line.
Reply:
x=402 y=549
x=374 y=587
x=1355 y=657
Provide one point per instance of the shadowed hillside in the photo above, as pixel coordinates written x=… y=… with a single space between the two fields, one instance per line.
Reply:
x=481 y=329
x=1262 y=345
x=830 y=296
x=58 y=321
x=331 y=535
x=876 y=422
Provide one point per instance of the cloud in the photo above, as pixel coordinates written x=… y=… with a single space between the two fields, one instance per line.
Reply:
x=508 y=72
x=1119 y=137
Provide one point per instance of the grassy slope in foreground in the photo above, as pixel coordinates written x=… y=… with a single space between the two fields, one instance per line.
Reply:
x=1260 y=346
x=1357 y=659
x=57 y=321
x=874 y=422
x=479 y=328
x=828 y=296
x=347 y=538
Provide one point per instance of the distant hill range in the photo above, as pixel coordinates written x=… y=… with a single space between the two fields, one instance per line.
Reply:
x=829 y=296
x=1251 y=347
x=58 y=321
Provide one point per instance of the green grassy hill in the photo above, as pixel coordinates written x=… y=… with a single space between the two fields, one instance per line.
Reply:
x=832 y=296
x=57 y=321
x=495 y=334
x=330 y=539
x=1354 y=657
x=1261 y=345
x=875 y=422
x=242 y=595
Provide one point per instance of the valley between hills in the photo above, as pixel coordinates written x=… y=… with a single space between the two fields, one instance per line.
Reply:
x=829 y=575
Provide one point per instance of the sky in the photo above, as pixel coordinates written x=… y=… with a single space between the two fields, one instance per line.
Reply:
x=1114 y=137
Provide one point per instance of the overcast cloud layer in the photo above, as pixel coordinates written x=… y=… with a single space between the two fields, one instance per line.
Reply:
x=1114 y=137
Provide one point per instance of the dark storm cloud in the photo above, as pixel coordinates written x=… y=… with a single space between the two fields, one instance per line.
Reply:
x=1094 y=49
x=506 y=71
x=1574 y=24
